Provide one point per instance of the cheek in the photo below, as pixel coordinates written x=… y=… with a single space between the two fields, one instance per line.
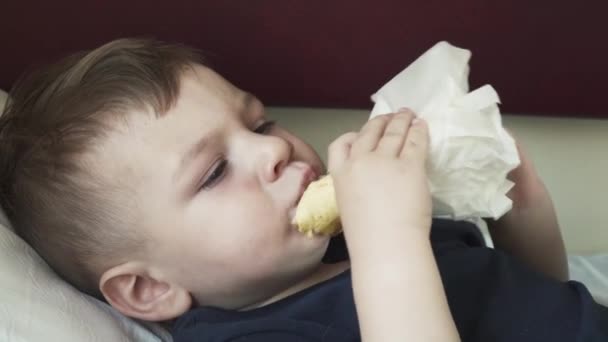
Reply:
x=247 y=217
x=251 y=241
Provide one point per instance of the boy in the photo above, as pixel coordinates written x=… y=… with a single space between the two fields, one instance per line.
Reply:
x=146 y=179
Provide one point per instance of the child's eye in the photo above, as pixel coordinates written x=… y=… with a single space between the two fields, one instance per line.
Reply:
x=216 y=175
x=265 y=127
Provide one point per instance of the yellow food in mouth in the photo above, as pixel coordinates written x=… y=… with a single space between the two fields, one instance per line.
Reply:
x=317 y=212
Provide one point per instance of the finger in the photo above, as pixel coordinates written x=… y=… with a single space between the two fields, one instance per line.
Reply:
x=339 y=150
x=370 y=134
x=415 y=149
x=392 y=141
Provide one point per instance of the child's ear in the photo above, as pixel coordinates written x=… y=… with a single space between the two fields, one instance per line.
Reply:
x=130 y=289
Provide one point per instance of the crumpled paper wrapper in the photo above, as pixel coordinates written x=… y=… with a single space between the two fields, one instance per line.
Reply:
x=470 y=151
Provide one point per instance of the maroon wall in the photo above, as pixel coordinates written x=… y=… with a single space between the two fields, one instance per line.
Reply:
x=544 y=57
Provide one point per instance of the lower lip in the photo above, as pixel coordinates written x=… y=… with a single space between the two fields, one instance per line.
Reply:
x=292 y=215
x=311 y=175
x=316 y=173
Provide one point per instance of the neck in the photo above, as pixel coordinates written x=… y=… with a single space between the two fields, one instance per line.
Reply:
x=321 y=273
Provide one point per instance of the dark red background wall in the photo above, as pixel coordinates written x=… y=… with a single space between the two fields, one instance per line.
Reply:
x=544 y=57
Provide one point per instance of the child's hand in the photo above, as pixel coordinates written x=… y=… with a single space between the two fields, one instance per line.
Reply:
x=382 y=193
x=380 y=175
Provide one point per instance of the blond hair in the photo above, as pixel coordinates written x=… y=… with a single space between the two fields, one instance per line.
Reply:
x=52 y=119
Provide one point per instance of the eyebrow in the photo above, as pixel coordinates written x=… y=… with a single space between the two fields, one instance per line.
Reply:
x=194 y=150
x=189 y=156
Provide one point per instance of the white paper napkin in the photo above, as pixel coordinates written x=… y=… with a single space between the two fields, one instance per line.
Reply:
x=470 y=152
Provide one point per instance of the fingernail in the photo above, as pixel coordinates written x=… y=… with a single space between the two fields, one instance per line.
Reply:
x=416 y=121
x=403 y=110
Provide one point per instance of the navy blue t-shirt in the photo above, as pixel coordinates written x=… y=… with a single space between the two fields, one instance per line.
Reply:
x=492 y=297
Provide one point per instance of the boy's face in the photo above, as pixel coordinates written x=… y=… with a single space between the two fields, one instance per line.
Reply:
x=215 y=190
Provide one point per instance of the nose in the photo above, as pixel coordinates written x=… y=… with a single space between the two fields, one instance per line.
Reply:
x=274 y=155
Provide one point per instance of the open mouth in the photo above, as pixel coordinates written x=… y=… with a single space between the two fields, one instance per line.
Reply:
x=308 y=177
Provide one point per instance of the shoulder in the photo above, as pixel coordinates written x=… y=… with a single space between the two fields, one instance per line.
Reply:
x=262 y=329
x=257 y=330
x=323 y=312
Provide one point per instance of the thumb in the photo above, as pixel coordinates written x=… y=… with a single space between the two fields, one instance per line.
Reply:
x=338 y=151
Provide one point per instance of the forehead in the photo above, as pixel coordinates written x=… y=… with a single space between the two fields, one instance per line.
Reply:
x=143 y=139
x=201 y=86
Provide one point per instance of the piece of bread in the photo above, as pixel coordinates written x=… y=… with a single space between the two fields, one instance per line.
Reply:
x=317 y=212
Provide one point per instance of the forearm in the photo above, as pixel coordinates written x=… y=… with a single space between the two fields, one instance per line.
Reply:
x=398 y=290
x=531 y=233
